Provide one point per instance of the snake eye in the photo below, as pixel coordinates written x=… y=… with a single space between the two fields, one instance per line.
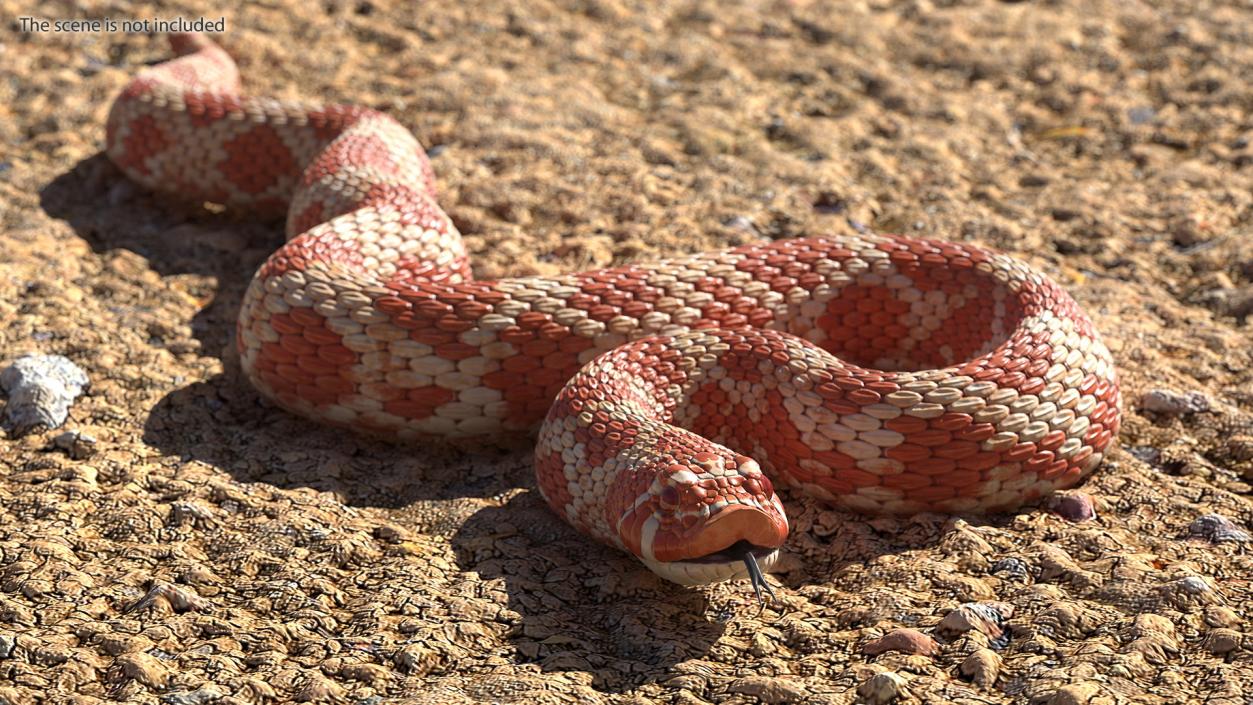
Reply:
x=669 y=497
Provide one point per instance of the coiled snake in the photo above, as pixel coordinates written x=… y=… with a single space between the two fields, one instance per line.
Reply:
x=879 y=373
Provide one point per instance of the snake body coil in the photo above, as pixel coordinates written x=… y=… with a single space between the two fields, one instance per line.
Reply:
x=879 y=373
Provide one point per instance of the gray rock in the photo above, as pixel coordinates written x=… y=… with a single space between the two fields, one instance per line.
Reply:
x=1165 y=401
x=41 y=389
x=1217 y=528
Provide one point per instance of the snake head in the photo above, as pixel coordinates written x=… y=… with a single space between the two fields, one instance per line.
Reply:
x=701 y=515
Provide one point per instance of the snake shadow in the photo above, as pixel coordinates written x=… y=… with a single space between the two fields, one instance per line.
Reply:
x=582 y=607
x=221 y=421
x=585 y=607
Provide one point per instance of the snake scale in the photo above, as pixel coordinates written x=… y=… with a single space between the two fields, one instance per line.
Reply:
x=879 y=373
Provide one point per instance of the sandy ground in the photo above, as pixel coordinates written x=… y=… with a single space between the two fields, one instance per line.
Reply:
x=1107 y=143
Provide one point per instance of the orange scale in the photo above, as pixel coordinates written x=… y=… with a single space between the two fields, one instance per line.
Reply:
x=957 y=450
x=902 y=257
x=283 y=324
x=561 y=361
x=884 y=343
x=407 y=409
x=932 y=466
x=471 y=310
x=322 y=336
x=810 y=280
x=871 y=303
x=760 y=317
x=1019 y=452
x=907 y=425
x=1094 y=433
x=908 y=452
x=532 y=319
x=305 y=317
x=431 y=308
x=959 y=478
x=456 y=351
x=334 y=384
x=931 y=437
x=391 y=305
x=1103 y=440
x=519 y=364
x=864 y=397
x=1053 y=440
x=316 y=365
x=515 y=335
x=868 y=332
x=952 y=421
x=538 y=348
x=522 y=393
x=1056 y=469
x=337 y=355
x=635 y=309
x=857 y=478
x=907 y=482
x=293 y=375
x=845 y=304
x=1038 y=462
x=432 y=336
x=277 y=354
x=273 y=380
x=261 y=363
x=975 y=432
x=876 y=383
x=315 y=395
x=1103 y=390
x=546 y=377
x=934 y=493
x=1035 y=385
x=882 y=318
x=453 y=324
x=575 y=344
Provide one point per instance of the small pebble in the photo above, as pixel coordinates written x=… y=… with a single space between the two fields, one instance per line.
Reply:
x=883 y=688
x=739 y=222
x=986 y=617
x=145 y=668
x=206 y=694
x=1147 y=454
x=1075 y=694
x=1073 y=506
x=41 y=389
x=1012 y=569
x=1217 y=528
x=1220 y=616
x=1222 y=641
x=1165 y=401
x=179 y=598
x=77 y=444
x=982 y=667
x=906 y=641
x=769 y=689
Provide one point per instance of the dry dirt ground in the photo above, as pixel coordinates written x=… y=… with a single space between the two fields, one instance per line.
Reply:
x=1107 y=143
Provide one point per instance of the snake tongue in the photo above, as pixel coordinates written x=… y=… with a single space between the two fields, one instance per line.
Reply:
x=732 y=525
x=758 y=579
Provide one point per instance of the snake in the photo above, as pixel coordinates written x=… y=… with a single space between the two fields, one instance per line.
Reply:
x=876 y=373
